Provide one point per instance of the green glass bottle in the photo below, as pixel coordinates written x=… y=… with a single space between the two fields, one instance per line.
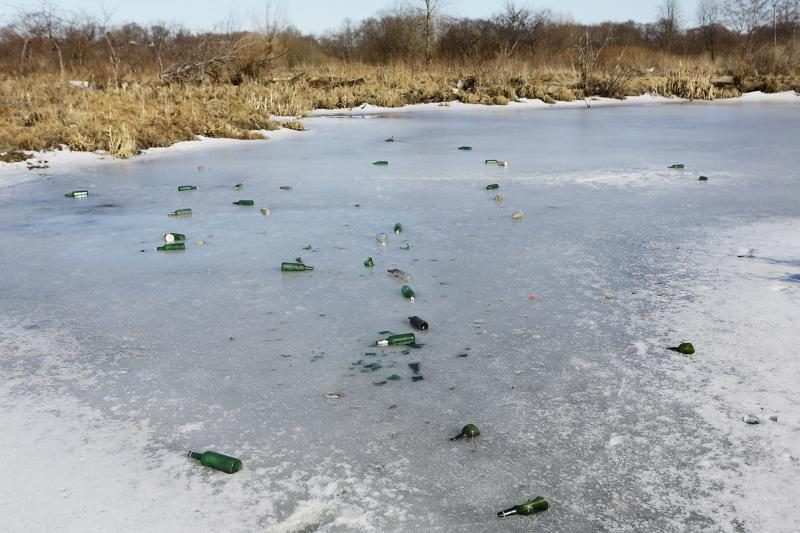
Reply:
x=182 y=188
x=408 y=292
x=381 y=163
x=398 y=228
x=702 y=178
x=77 y=194
x=677 y=166
x=465 y=148
x=218 y=461
x=490 y=162
x=536 y=505
x=492 y=187
x=174 y=237
x=467 y=432
x=686 y=348
x=403 y=338
x=369 y=262
x=295 y=267
x=237 y=187
x=244 y=202
x=172 y=247
x=181 y=213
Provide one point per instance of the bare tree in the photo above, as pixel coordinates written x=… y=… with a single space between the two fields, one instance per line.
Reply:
x=668 y=22
x=518 y=27
x=708 y=18
x=745 y=17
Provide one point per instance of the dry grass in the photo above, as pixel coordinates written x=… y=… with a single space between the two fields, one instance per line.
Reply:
x=42 y=113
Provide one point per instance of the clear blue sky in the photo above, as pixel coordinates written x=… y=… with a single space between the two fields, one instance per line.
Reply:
x=316 y=16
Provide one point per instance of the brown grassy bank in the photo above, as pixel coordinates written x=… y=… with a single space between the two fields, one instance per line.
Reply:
x=40 y=113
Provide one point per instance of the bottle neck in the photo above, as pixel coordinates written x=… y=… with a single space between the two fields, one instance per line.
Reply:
x=507 y=512
x=195 y=455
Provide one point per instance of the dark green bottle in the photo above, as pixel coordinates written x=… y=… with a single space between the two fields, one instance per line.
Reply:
x=466 y=148
x=418 y=323
x=408 y=292
x=172 y=247
x=381 y=163
x=218 y=461
x=398 y=228
x=244 y=202
x=237 y=187
x=685 y=348
x=295 y=267
x=174 y=237
x=403 y=338
x=77 y=194
x=182 y=188
x=181 y=213
x=677 y=166
x=702 y=178
x=467 y=432
x=492 y=187
x=536 y=505
x=369 y=262
x=490 y=162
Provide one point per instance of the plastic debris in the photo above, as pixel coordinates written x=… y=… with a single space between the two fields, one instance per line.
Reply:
x=774 y=418
x=399 y=274
x=200 y=242
x=382 y=238
x=536 y=505
x=266 y=211
x=499 y=197
x=467 y=432
x=517 y=215
x=390 y=139
x=746 y=253
x=501 y=163
x=369 y=262
x=394 y=377
x=684 y=348
x=751 y=419
x=333 y=396
x=77 y=194
x=218 y=461
x=418 y=323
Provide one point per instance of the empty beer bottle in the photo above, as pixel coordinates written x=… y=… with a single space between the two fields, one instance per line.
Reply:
x=369 y=262
x=536 y=505
x=244 y=202
x=677 y=166
x=702 y=178
x=77 y=194
x=381 y=163
x=181 y=213
x=686 y=348
x=403 y=338
x=418 y=323
x=172 y=247
x=174 y=237
x=467 y=432
x=490 y=162
x=218 y=461
x=466 y=148
x=295 y=267
x=237 y=187
x=492 y=187
x=408 y=292
x=182 y=188
x=398 y=228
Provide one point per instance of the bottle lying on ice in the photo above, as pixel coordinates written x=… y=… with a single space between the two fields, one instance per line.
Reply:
x=398 y=228
x=218 y=461
x=295 y=267
x=407 y=292
x=467 y=432
x=181 y=213
x=244 y=202
x=171 y=247
x=174 y=237
x=536 y=505
x=77 y=194
x=182 y=188
x=403 y=338
x=418 y=323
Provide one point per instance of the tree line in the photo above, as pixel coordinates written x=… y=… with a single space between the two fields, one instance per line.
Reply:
x=759 y=35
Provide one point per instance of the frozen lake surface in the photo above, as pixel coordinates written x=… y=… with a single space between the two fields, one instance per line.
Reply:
x=548 y=332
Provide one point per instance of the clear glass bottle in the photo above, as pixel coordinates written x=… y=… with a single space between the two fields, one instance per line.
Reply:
x=77 y=194
x=181 y=213
x=218 y=461
x=174 y=237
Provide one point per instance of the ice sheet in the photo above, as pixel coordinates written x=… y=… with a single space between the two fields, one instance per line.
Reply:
x=125 y=359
